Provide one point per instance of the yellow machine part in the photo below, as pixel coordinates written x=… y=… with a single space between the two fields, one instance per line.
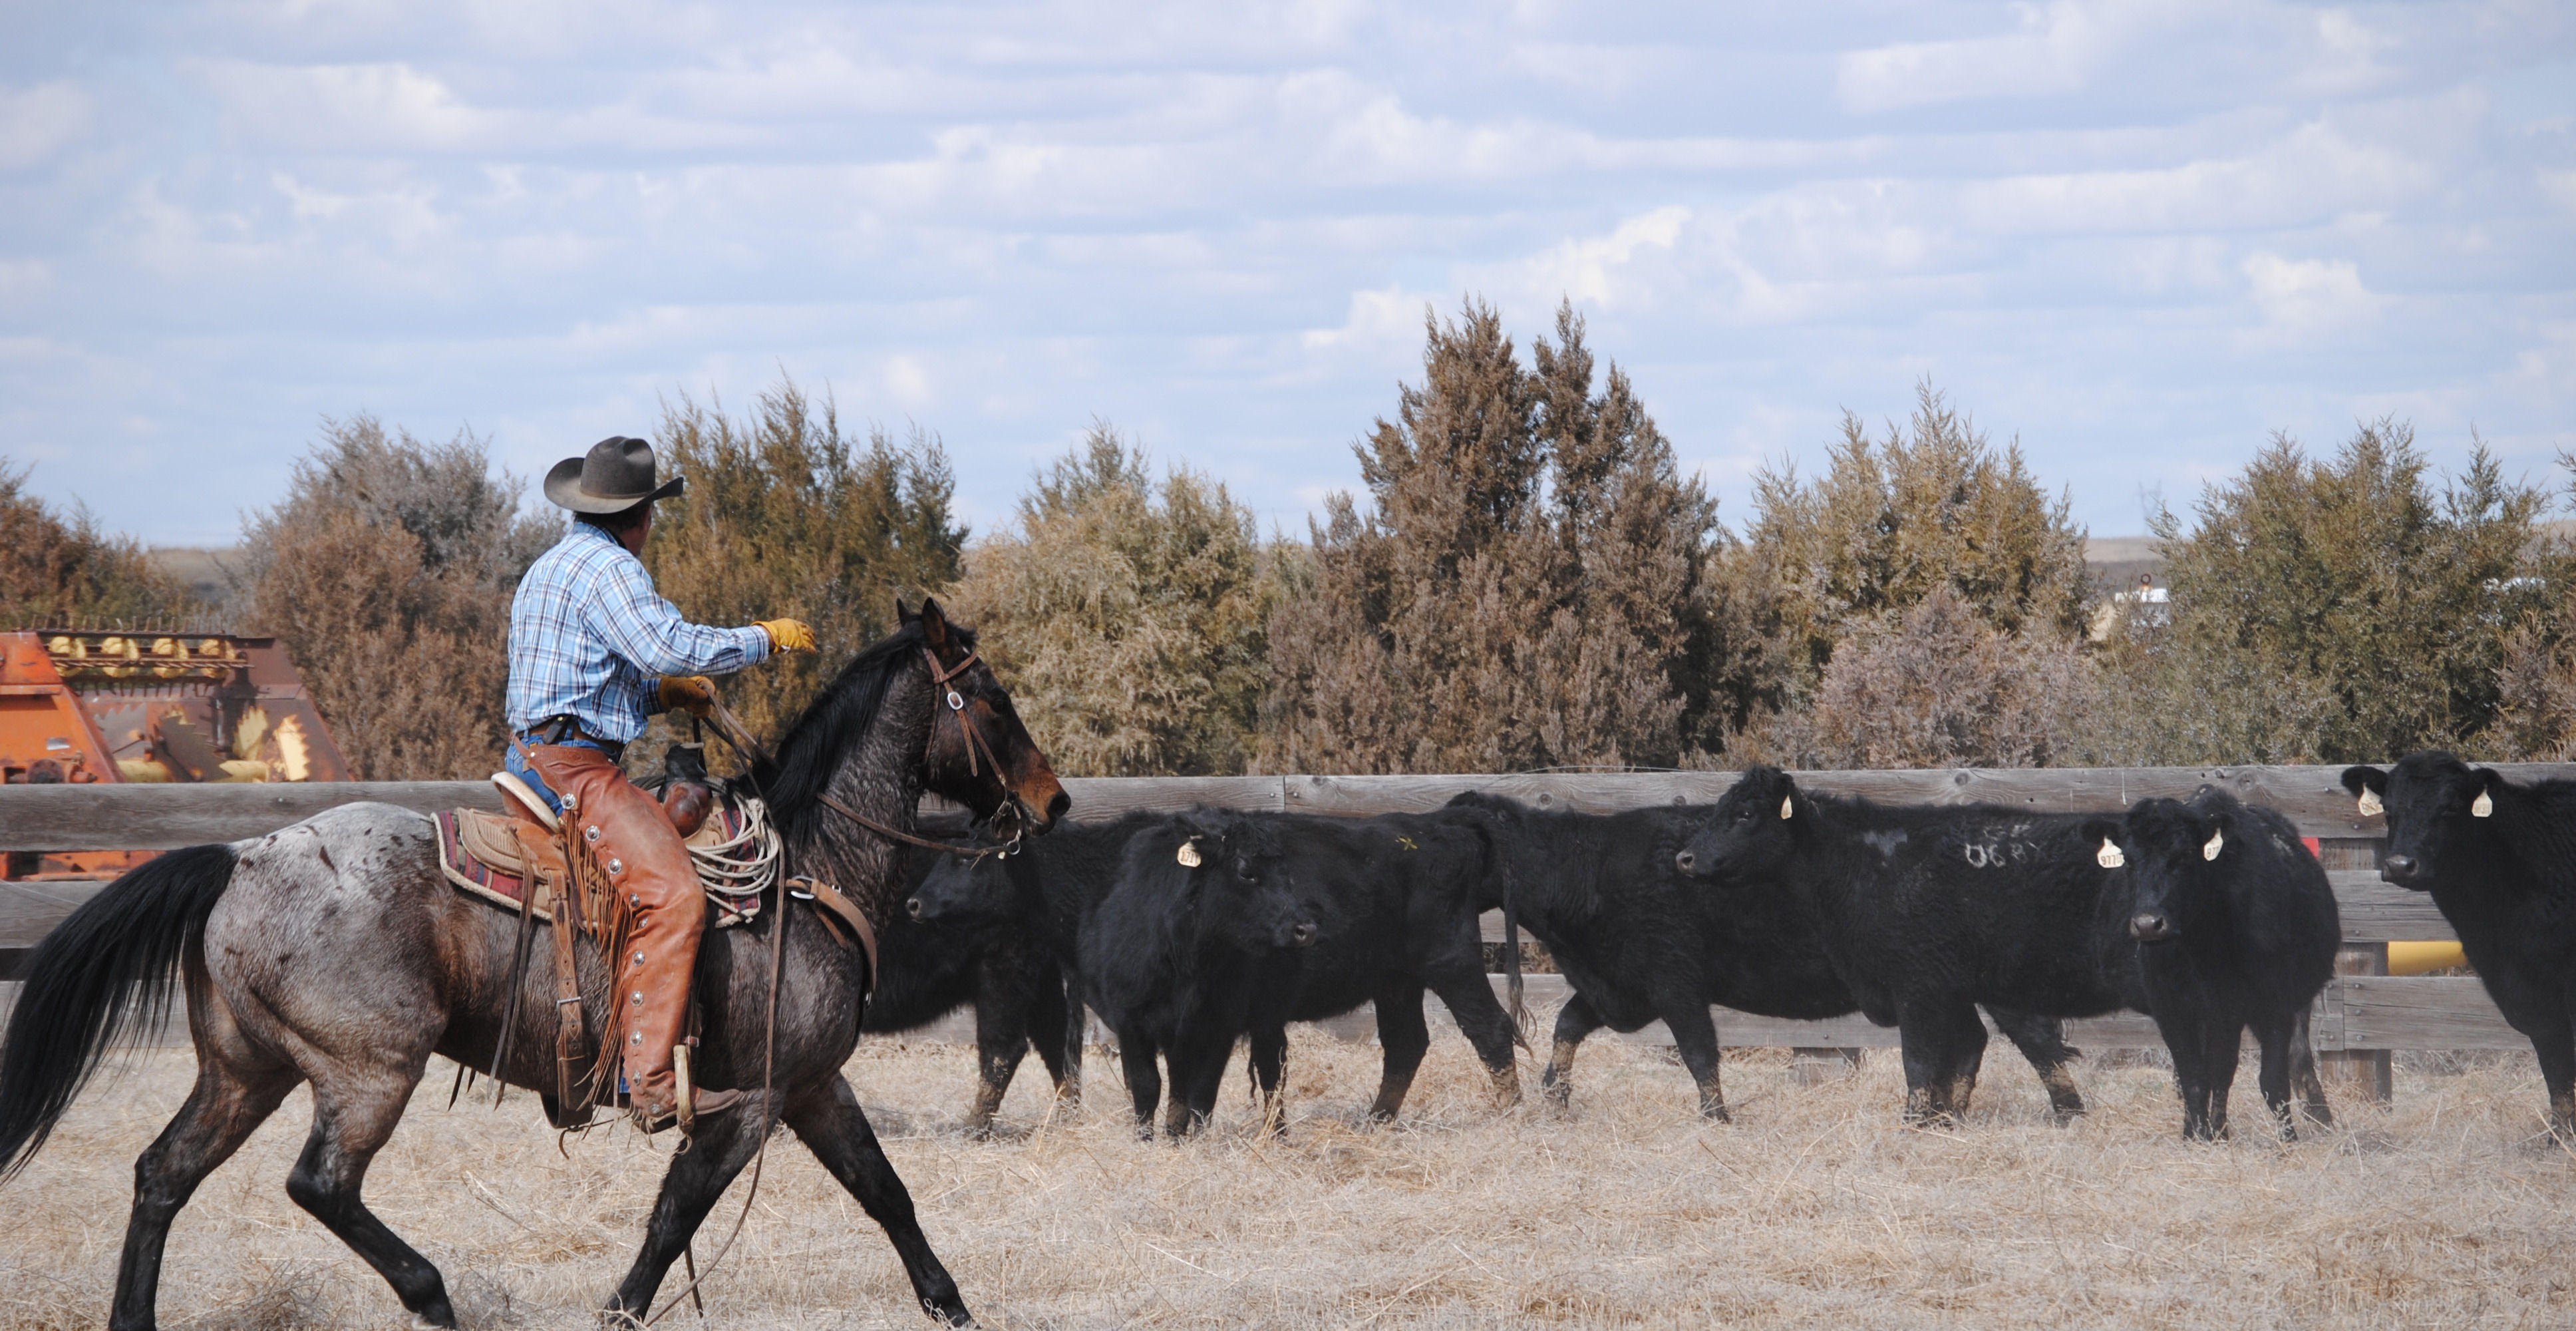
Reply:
x=2417 y=958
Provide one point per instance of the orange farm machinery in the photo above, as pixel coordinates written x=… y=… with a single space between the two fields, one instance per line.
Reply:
x=90 y=706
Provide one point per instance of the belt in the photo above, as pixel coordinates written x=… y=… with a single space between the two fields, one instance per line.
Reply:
x=567 y=730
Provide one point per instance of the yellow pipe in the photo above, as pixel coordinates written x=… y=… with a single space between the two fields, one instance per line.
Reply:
x=2417 y=958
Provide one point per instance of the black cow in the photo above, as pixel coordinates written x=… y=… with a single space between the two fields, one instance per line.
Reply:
x=2500 y=861
x=2236 y=926
x=1640 y=937
x=1169 y=921
x=927 y=969
x=1398 y=898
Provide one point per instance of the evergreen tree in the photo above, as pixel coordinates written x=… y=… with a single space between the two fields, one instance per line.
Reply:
x=60 y=572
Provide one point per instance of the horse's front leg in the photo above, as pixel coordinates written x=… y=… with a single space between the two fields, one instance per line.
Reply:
x=722 y=1145
x=827 y=1119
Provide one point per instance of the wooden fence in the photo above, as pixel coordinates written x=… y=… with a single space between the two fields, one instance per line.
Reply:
x=2363 y=1014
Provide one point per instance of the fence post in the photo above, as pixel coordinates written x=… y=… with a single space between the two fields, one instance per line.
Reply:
x=2358 y=1074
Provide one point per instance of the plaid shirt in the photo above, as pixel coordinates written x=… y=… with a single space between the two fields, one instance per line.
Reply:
x=588 y=636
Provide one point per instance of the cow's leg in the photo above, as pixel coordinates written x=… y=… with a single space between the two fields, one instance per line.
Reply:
x=2222 y=1044
x=1057 y=1035
x=2555 y=1046
x=1695 y=1039
x=2304 y=1080
x=718 y=1149
x=2272 y=1034
x=1003 y=1012
x=1404 y=1036
x=1574 y=1021
x=1144 y=1080
x=1470 y=1000
x=1199 y=1054
x=227 y=1104
x=355 y=1108
x=830 y=1123
x=1967 y=1056
x=1927 y=1030
x=1266 y=1057
x=2042 y=1040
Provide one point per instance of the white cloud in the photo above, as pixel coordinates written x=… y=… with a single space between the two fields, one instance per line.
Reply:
x=38 y=122
x=2307 y=298
x=2055 y=51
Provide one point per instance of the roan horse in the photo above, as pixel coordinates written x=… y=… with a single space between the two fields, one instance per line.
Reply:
x=334 y=952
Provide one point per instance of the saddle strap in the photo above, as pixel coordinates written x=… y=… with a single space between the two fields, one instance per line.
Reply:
x=549 y=870
x=837 y=905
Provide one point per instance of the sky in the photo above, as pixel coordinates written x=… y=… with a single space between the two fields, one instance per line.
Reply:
x=2139 y=238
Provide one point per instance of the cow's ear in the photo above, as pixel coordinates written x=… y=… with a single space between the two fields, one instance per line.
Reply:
x=2489 y=782
x=2103 y=836
x=1791 y=800
x=2366 y=785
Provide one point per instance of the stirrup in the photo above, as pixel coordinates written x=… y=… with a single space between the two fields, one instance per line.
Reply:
x=517 y=792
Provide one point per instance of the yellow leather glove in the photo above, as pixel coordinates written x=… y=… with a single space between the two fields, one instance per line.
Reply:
x=694 y=694
x=787 y=635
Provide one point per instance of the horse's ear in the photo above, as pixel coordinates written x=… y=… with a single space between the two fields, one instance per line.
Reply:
x=934 y=623
x=903 y=614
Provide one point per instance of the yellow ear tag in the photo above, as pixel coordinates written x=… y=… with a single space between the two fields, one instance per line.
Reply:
x=1784 y=808
x=1189 y=855
x=2483 y=806
x=2109 y=856
x=2370 y=805
x=2216 y=840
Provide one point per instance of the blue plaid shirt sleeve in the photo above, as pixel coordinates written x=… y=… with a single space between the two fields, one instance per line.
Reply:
x=588 y=634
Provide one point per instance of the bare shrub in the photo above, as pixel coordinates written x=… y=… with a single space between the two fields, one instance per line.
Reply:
x=1525 y=589
x=387 y=571
x=58 y=571
x=1130 y=620
x=1938 y=686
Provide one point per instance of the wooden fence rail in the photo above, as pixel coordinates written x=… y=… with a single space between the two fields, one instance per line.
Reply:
x=2358 y=1012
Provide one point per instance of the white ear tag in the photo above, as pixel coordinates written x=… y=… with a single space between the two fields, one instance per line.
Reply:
x=2370 y=805
x=1784 y=808
x=2216 y=841
x=1189 y=855
x=2483 y=806
x=2109 y=856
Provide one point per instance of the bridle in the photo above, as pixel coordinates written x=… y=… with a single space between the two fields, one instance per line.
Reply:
x=1012 y=815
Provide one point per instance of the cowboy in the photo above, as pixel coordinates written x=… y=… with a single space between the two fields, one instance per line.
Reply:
x=594 y=652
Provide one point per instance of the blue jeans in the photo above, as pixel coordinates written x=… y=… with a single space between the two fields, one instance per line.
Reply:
x=517 y=766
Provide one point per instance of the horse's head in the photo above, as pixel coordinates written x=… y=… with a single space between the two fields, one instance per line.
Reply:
x=979 y=754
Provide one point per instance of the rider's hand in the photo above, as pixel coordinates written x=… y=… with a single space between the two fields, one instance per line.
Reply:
x=694 y=694
x=787 y=635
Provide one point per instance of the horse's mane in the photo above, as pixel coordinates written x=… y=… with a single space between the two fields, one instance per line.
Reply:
x=815 y=743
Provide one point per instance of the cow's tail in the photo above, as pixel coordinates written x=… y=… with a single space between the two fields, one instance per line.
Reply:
x=1499 y=865
x=106 y=972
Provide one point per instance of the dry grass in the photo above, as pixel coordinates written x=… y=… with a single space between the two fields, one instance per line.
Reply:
x=1813 y=1208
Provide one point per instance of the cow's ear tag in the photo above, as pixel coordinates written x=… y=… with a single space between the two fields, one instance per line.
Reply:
x=2109 y=856
x=1785 y=807
x=2483 y=806
x=2217 y=841
x=2370 y=805
x=1189 y=856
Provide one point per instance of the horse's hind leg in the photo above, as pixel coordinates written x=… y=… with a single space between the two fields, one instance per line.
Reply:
x=228 y=1103
x=354 y=1112
x=828 y=1121
x=721 y=1145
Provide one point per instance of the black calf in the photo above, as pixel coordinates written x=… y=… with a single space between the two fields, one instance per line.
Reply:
x=2500 y=861
x=1642 y=933
x=2236 y=926
x=1397 y=897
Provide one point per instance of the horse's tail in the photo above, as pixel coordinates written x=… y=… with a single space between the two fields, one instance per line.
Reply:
x=105 y=972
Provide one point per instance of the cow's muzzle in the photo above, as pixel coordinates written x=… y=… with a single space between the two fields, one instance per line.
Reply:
x=2150 y=927
x=1301 y=934
x=2400 y=869
x=1686 y=862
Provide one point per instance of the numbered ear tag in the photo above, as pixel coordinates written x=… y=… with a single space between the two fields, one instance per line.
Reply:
x=2370 y=805
x=1784 y=808
x=1189 y=856
x=2109 y=856
x=955 y=703
x=2483 y=806
x=2217 y=840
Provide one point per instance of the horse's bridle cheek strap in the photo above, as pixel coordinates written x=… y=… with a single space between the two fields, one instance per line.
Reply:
x=956 y=704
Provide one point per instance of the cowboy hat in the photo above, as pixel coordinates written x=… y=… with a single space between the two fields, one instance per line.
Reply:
x=616 y=475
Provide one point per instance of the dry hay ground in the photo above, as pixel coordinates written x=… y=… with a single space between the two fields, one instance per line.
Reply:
x=1814 y=1207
